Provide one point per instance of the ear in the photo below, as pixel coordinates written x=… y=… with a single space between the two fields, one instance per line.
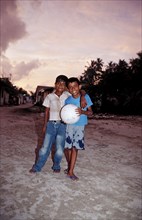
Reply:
x=80 y=86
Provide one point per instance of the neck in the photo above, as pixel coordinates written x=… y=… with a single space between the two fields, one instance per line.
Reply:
x=58 y=93
x=76 y=96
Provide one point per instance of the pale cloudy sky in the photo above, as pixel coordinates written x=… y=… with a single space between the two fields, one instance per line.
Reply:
x=41 y=39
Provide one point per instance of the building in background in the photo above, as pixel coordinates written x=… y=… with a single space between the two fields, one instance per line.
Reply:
x=41 y=92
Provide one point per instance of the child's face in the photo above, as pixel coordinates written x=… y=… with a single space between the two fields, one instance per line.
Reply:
x=74 y=89
x=60 y=86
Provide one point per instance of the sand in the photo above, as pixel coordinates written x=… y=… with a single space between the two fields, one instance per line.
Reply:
x=109 y=171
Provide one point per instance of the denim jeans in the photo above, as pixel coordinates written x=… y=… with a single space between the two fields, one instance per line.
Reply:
x=55 y=134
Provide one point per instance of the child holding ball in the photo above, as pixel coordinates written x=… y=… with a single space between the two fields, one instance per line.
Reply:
x=75 y=132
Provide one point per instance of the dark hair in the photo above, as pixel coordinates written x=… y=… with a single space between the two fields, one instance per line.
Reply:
x=73 y=79
x=62 y=78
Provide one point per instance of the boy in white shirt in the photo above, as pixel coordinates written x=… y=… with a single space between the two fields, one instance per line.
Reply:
x=54 y=128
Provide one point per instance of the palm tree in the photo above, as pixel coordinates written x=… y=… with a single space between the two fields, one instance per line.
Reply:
x=93 y=72
x=136 y=85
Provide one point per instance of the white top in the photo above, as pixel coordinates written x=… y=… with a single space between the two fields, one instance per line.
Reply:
x=55 y=103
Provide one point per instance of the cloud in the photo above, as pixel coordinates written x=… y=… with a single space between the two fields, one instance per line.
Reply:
x=11 y=26
x=36 y=4
x=18 y=70
x=23 y=69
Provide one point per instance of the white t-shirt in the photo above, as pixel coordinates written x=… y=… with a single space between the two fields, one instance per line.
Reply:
x=55 y=103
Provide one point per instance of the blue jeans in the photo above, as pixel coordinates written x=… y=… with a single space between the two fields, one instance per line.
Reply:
x=55 y=134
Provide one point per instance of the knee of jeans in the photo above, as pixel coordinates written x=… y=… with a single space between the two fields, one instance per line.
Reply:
x=42 y=151
x=59 y=152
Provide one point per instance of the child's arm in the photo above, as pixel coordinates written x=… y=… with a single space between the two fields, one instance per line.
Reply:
x=83 y=101
x=46 y=118
x=87 y=112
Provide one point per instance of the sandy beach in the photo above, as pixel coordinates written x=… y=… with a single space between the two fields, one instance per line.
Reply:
x=109 y=171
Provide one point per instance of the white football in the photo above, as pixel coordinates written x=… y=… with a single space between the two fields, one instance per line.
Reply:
x=68 y=114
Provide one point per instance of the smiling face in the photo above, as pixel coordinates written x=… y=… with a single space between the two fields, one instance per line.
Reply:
x=74 y=89
x=60 y=87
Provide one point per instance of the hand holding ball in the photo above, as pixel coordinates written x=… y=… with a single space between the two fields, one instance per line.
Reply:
x=68 y=114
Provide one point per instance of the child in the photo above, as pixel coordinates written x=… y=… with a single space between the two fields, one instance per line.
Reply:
x=75 y=132
x=54 y=128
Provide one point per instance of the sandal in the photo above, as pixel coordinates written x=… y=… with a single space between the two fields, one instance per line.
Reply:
x=74 y=178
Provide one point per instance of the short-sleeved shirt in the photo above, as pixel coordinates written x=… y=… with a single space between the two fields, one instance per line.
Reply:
x=76 y=101
x=55 y=103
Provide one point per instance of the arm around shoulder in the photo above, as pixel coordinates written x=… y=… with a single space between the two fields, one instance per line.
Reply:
x=88 y=112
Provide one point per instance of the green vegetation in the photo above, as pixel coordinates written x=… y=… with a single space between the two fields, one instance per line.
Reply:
x=118 y=88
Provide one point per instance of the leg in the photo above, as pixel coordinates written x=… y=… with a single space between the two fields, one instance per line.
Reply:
x=75 y=142
x=66 y=153
x=43 y=155
x=60 y=142
x=39 y=145
x=53 y=152
x=73 y=158
x=45 y=149
x=36 y=154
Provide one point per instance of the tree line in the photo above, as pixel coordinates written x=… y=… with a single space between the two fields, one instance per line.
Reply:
x=116 y=88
